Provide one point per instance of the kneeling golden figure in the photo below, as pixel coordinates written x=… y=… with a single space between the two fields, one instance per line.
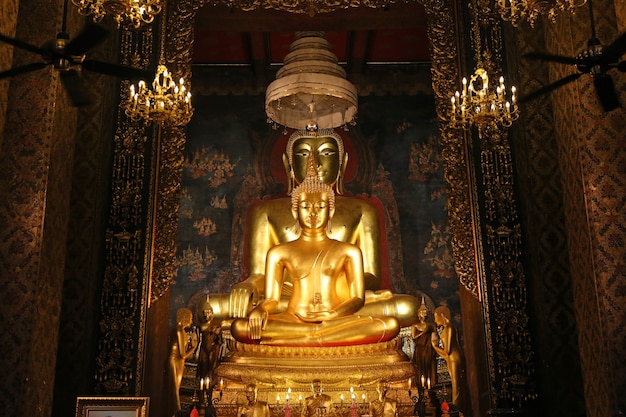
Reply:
x=328 y=285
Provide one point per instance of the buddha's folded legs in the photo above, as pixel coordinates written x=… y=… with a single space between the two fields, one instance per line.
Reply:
x=343 y=331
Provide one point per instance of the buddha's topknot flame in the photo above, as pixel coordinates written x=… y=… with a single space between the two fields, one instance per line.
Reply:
x=312 y=184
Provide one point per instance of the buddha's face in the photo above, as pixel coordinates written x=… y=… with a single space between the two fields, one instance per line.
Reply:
x=250 y=395
x=325 y=154
x=313 y=210
x=208 y=314
x=317 y=388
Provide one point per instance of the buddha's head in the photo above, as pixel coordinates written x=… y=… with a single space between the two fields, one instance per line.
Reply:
x=251 y=393
x=184 y=317
x=422 y=311
x=316 y=387
x=442 y=315
x=325 y=148
x=382 y=389
x=312 y=202
x=205 y=310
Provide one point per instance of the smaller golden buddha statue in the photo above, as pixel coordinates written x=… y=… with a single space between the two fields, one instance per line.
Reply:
x=328 y=284
x=252 y=407
x=318 y=404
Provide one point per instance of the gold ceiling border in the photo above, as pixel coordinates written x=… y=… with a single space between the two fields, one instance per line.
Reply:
x=310 y=7
x=445 y=70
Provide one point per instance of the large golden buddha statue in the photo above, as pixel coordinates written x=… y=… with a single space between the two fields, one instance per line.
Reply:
x=327 y=278
x=355 y=221
x=312 y=304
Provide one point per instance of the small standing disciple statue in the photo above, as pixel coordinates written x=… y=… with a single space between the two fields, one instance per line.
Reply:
x=328 y=284
x=424 y=356
x=183 y=342
x=452 y=353
x=211 y=340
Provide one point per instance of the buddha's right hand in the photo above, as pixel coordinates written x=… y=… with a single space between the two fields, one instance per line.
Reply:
x=241 y=296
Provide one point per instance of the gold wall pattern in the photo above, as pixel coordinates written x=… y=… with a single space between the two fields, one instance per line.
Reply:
x=592 y=160
x=552 y=312
x=34 y=185
x=88 y=205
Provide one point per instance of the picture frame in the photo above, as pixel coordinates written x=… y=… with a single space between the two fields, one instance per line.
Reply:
x=112 y=406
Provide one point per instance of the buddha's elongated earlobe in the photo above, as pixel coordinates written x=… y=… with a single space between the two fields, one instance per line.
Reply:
x=296 y=226
x=342 y=173
x=291 y=177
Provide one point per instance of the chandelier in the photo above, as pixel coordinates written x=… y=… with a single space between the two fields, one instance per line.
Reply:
x=515 y=11
x=167 y=101
x=478 y=104
x=133 y=12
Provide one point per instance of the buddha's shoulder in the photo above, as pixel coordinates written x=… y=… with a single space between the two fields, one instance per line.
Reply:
x=355 y=203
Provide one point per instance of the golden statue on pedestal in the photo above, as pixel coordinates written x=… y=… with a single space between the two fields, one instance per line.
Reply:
x=312 y=307
x=327 y=284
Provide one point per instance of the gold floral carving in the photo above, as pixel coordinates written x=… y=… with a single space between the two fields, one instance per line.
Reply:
x=445 y=70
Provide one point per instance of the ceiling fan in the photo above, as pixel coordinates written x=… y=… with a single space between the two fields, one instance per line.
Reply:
x=68 y=57
x=596 y=60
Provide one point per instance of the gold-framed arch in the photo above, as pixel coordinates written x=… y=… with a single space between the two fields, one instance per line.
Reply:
x=443 y=19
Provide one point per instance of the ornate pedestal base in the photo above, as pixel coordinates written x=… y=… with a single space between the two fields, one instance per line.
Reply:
x=335 y=367
x=283 y=377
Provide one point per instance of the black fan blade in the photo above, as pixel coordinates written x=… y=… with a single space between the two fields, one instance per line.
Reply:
x=117 y=70
x=90 y=36
x=607 y=96
x=75 y=88
x=23 y=69
x=544 y=56
x=616 y=49
x=23 y=45
x=550 y=87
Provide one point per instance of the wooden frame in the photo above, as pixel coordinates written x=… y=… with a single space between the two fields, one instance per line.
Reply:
x=112 y=406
